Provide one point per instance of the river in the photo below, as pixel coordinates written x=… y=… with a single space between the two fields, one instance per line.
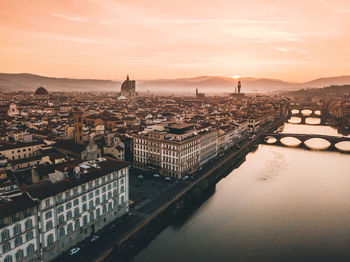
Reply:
x=281 y=204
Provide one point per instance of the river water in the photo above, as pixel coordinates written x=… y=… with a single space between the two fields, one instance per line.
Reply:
x=281 y=204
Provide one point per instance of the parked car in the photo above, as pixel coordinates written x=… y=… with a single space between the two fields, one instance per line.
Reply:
x=156 y=175
x=94 y=238
x=140 y=176
x=74 y=250
x=185 y=178
x=167 y=178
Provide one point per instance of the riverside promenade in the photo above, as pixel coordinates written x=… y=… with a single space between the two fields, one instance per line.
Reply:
x=119 y=232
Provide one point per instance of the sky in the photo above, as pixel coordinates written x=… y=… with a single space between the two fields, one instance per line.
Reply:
x=295 y=40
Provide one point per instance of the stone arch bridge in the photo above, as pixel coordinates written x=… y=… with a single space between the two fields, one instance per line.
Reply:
x=333 y=140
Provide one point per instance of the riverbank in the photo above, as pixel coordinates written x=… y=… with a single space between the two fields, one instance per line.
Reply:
x=124 y=240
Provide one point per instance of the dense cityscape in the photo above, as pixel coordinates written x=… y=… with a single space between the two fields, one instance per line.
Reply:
x=71 y=163
x=192 y=131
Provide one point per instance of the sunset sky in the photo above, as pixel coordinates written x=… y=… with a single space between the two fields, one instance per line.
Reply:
x=291 y=40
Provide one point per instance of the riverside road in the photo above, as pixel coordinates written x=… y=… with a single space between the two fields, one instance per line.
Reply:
x=151 y=195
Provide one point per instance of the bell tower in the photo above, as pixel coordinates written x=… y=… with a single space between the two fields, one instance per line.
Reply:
x=78 y=126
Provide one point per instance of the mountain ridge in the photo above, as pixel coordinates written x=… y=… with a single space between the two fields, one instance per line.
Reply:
x=208 y=84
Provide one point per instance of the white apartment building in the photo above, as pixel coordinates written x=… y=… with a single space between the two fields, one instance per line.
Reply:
x=172 y=149
x=67 y=209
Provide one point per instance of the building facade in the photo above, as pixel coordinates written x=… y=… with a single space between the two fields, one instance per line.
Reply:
x=55 y=215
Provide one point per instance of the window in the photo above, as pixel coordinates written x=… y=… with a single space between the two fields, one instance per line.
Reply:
x=90 y=185
x=75 y=191
x=60 y=219
x=69 y=215
x=76 y=211
x=85 y=220
x=76 y=202
x=48 y=215
x=104 y=198
x=60 y=209
x=104 y=189
x=104 y=210
x=91 y=204
x=28 y=224
x=77 y=224
x=29 y=235
x=109 y=206
x=122 y=189
x=6 y=247
x=83 y=199
x=109 y=187
x=17 y=229
x=123 y=199
x=97 y=192
x=47 y=202
x=91 y=216
x=49 y=225
x=68 y=205
x=91 y=195
x=69 y=228
x=97 y=201
x=68 y=194
x=84 y=207
x=50 y=239
x=30 y=248
x=59 y=198
x=5 y=234
x=8 y=259
x=98 y=213
x=62 y=232
x=109 y=194
x=19 y=254
x=18 y=241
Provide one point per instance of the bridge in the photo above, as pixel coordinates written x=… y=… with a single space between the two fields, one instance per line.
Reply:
x=316 y=111
x=333 y=140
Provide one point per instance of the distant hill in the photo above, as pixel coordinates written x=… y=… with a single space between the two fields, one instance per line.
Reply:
x=206 y=84
x=30 y=82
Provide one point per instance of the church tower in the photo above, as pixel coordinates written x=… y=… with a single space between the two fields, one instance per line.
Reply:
x=78 y=127
x=239 y=87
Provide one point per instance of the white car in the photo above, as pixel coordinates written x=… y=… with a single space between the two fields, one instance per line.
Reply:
x=185 y=178
x=74 y=250
x=94 y=238
x=167 y=178
x=156 y=175
x=140 y=176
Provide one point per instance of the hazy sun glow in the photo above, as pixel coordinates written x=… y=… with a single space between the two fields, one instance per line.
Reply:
x=291 y=40
x=235 y=77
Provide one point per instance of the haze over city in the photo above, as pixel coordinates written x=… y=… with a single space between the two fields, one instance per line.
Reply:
x=173 y=130
x=105 y=39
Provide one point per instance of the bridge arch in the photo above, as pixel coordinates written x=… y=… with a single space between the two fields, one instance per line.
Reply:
x=343 y=146
x=290 y=141
x=317 y=143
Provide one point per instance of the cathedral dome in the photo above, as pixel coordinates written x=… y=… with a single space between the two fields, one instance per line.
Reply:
x=128 y=88
x=41 y=92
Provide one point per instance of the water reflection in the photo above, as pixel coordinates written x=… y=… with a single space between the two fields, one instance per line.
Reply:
x=294 y=120
x=313 y=121
x=290 y=141
x=270 y=140
x=317 y=143
x=318 y=112
x=295 y=111
x=306 y=112
x=281 y=204
x=343 y=146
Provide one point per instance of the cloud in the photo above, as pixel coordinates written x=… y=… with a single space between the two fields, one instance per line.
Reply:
x=70 y=18
x=281 y=49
